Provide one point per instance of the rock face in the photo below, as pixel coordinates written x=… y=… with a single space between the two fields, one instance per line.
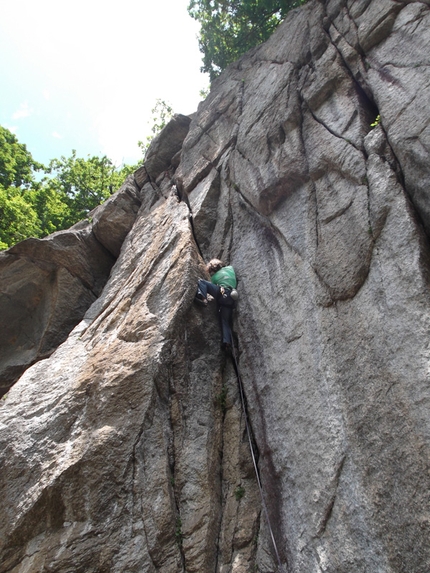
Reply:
x=125 y=451
x=48 y=284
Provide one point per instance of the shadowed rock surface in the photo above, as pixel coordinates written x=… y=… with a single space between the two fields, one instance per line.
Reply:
x=47 y=285
x=125 y=450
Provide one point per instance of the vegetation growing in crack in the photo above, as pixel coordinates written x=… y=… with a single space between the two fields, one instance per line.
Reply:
x=221 y=399
x=239 y=492
x=178 y=531
x=377 y=121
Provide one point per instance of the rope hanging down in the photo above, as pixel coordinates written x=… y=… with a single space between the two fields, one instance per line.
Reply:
x=254 y=461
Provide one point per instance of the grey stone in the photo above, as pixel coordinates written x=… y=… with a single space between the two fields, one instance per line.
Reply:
x=166 y=145
x=126 y=449
x=46 y=287
x=48 y=284
x=113 y=220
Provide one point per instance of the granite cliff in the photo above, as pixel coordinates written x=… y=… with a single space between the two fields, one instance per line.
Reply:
x=123 y=445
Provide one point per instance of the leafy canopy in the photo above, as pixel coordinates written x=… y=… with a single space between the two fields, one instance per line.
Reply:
x=70 y=189
x=229 y=28
x=16 y=163
x=72 y=186
x=162 y=113
x=18 y=218
x=82 y=184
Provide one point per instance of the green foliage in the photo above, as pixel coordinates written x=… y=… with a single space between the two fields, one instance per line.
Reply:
x=239 y=492
x=229 y=28
x=82 y=184
x=162 y=113
x=204 y=92
x=70 y=189
x=51 y=208
x=221 y=399
x=376 y=122
x=16 y=163
x=178 y=531
x=18 y=217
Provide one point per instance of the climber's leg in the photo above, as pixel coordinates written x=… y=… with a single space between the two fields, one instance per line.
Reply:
x=206 y=287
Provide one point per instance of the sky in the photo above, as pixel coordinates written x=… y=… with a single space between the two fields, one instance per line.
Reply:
x=85 y=74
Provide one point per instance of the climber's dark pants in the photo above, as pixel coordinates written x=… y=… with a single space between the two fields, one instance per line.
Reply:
x=225 y=307
x=225 y=318
x=205 y=287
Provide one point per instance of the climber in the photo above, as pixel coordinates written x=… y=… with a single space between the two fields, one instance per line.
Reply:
x=222 y=288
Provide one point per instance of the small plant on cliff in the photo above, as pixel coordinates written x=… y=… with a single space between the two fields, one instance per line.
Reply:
x=162 y=113
x=178 y=531
x=221 y=399
x=239 y=492
x=376 y=122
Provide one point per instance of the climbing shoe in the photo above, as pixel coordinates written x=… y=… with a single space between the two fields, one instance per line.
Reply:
x=199 y=298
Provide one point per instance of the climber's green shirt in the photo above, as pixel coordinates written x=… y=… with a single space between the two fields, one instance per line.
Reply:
x=225 y=277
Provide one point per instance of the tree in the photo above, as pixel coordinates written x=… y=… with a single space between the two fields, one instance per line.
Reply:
x=18 y=218
x=70 y=189
x=229 y=28
x=82 y=184
x=162 y=112
x=17 y=165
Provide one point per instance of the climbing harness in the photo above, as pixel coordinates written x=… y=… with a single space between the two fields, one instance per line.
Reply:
x=254 y=461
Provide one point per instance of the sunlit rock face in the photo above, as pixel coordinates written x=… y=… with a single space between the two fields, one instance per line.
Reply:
x=125 y=450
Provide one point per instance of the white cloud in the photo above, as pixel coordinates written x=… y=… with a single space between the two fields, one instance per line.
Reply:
x=23 y=111
x=56 y=135
x=46 y=94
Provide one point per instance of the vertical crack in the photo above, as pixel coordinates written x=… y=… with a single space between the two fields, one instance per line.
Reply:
x=172 y=454
x=329 y=508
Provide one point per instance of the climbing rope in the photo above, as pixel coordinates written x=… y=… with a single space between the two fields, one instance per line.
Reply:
x=254 y=461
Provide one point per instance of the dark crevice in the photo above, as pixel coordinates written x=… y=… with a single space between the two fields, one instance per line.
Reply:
x=221 y=475
x=338 y=213
x=268 y=223
x=329 y=508
x=365 y=95
x=406 y=66
x=191 y=220
x=369 y=214
x=332 y=131
x=152 y=183
x=52 y=302
x=401 y=180
x=314 y=193
x=269 y=490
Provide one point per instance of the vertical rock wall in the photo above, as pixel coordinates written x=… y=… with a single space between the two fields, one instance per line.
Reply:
x=125 y=451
